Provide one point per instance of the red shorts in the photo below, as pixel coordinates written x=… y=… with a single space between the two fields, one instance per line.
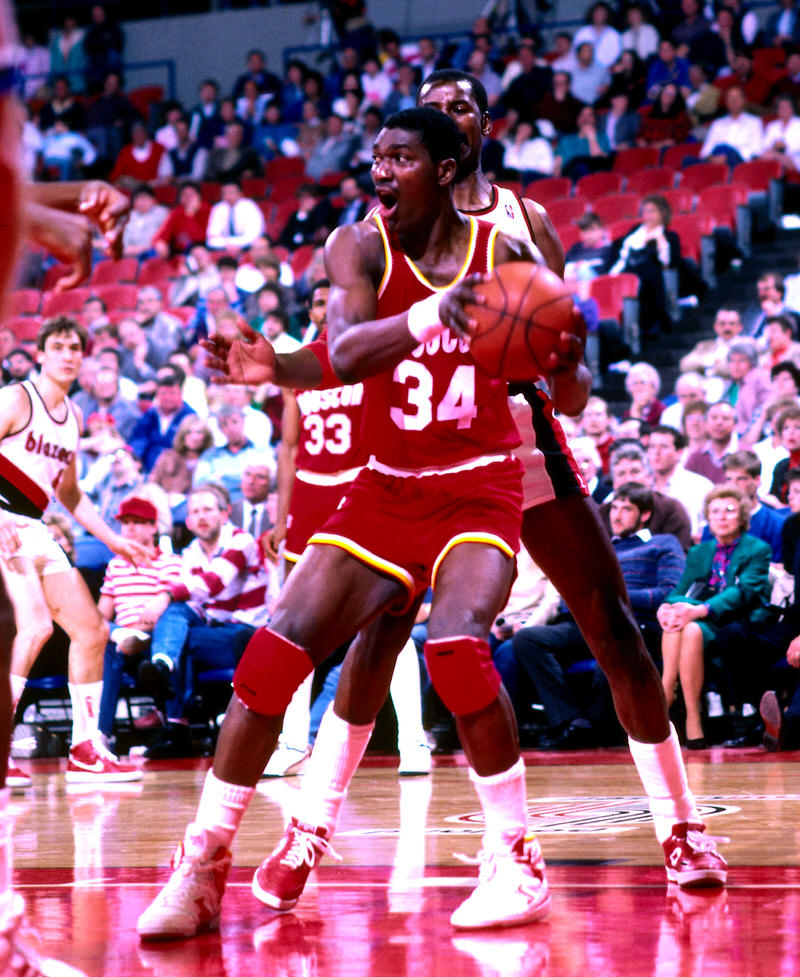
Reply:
x=311 y=507
x=404 y=527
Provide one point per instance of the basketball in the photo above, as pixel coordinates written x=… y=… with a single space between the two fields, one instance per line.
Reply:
x=526 y=307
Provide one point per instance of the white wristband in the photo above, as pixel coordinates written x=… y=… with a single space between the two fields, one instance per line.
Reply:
x=423 y=318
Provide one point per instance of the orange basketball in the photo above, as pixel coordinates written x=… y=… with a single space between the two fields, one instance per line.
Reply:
x=525 y=310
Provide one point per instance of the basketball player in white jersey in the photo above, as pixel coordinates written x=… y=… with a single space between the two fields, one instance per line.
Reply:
x=39 y=432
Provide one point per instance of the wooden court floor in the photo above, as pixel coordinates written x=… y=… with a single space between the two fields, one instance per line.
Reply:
x=89 y=860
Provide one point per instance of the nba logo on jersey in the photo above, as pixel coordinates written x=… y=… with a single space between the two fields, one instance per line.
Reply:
x=509 y=212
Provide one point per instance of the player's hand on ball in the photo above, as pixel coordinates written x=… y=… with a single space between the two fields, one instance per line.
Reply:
x=567 y=354
x=452 y=306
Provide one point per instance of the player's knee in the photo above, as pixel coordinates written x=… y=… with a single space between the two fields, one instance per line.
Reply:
x=269 y=672
x=33 y=633
x=462 y=672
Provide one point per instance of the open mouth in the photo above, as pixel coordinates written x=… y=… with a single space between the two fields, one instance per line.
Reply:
x=387 y=202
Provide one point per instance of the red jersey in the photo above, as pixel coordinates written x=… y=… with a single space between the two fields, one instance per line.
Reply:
x=436 y=409
x=330 y=422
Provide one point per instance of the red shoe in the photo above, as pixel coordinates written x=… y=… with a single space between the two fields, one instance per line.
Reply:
x=90 y=763
x=692 y=859
x=18 y=959
x=17 y=779
x=280 y=879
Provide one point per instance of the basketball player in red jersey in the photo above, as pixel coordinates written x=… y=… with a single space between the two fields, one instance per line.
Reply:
x=39 y=433
x=439 y=502
x=562 y=532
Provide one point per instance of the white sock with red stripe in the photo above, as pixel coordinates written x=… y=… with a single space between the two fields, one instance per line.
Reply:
x=85 y=700
x=18 y=683
x=505 y=806
x=221 y=808
x=663 y=777
x=337 y=752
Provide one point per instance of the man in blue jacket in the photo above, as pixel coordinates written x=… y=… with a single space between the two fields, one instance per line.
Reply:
x=156 y=428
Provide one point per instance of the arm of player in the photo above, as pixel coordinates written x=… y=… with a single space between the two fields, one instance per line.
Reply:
x=545 y=236
x=66 y=236
x=252 y=361
x=14 y=411
x=104 y=205
x=287 y=469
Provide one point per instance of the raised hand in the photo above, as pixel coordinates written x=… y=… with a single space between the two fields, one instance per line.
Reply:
x=249 y=360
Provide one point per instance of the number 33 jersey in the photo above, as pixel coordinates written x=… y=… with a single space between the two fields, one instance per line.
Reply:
x=436 y=409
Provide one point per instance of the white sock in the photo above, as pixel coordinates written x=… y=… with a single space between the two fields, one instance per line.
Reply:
x=663 y=777
x=6 y=892
x=222 y=808
x=505 y=806
x=18 y=683
x=85 y=700
x=407 y=698
x=337 y=752
x=297 y=718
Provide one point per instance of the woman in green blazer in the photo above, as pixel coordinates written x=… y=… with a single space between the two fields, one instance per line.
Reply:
x=725 y=579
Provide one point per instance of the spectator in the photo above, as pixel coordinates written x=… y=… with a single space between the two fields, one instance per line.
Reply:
x=232 y=160
x=187 y=224
x=664 y=449
x=371 y=121
x=174 y=470
x=334 y=151
x=690 y=34
x=531 y=83
x=224 y=464
x=588 y=459
x=598 y=32
x=783 y=26
x=308 y=222
x=710 y=356
x=591 y=255
x=66 y=153
x=651 y=566
x=138 y=356
x=769 y=449
x=789 y=84
x=252 y=512
x=620 y=124
x=426 y=59
x=590 y=77
x=667 y=122
x=235 y=222
x=585 y=151
x=667 y=68
x=257 y=426
x=721 y=440
x=67 y=53
x=132 y=598
x=33 y=63
x=251 y=103
x=748 y=388
x=689 y=388
x=480 y=66
x=788 y=427
x=646 y=252
x=354 y=202
x=375 y=82
x=146 y=218
x=781 y=342
x=597 y=423
x=291 y=101
x=63 y=105
x=105 y=398
x=724 y=579
x=526 y=154
x=693 y=428
x=782 y=136
x=165 y=331
x=629 y=464
x=224 y=595
x=743 y=471
x=141 y=161
x=266 y=82
x=559 y=107
x=756 y=86
x=205 y=120
x=703 y=100
x=404 y=92
x=110 y=119
x=640 y=37
x=111 y=481
x=735 y=137
x=156 y=428
x=20 y=365
x=187 y=158
x=166 y=134
x=274 y=135
x=770 y=302
x=643 y=384
x=103 y=43
x=628 y=77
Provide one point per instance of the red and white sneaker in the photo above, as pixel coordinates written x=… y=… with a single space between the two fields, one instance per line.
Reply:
x=17 y=779
x=18 y=958
x=190 y=901
x=512 y=889
x=280 y=879
x=691 y=858
x=91 y=763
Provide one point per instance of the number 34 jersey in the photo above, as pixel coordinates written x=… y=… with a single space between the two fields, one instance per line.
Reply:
x=436 y=409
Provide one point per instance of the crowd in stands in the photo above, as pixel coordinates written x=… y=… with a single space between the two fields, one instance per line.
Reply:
x=232 y=199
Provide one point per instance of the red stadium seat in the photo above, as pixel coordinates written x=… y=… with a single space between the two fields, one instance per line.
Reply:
x=630 y=161
x=697 y=178
x=301 y=259
x=279 y=215
x=166 y=194
x=609 y=291
x=617 y=206
x=25 y=328
x=52 y=275
x=621 y=228
x=183 y=312
x=568 y=234
x=720 y=203
x=680 y=200
x=653 y=180
x=598 y=185
x=567 y=210
x=549 y=188
x=691 y=228
x=24 y=301
x=64 y=303
x=283 y=166
x=675 y=155
x=329 y=181
x=255 y=187
x=286 y=187
x=757 y=174
x=155 y=270
x=514 y=185
x=118 y=296
x=211 y=191
x=110 y=272
x=145 y=96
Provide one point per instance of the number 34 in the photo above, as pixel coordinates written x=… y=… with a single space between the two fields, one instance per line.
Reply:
x=458 y=403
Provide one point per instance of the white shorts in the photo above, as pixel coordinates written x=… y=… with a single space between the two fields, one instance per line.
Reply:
x=38 y=546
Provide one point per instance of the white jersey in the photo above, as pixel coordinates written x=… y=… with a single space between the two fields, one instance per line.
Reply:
x=32 y=460
x=507 y=212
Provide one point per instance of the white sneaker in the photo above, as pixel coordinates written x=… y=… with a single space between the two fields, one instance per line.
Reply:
x=17 y=779
x=286 y=761
x=415 y=760
x=190 y=901
x=512 y=889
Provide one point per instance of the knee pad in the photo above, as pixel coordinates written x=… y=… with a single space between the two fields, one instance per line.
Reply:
x=269 y=672
x=462 y=672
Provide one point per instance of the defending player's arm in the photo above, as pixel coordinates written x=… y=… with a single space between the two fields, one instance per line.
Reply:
x=101 y=203
x=14 y=408
x=252 y=361
x=287 y=468
x=545 y=235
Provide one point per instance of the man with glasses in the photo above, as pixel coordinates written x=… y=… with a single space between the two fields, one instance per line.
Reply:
x=156 y=428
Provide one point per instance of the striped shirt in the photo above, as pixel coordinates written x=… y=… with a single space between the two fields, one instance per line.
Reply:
x=231 y=585
x=131 y=587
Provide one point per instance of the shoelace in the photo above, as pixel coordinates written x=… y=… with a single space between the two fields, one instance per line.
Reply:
x=304 y=848
x=700 y=842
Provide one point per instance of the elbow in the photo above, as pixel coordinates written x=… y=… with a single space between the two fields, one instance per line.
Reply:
x=343 y=363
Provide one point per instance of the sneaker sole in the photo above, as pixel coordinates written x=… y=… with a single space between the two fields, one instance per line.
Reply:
x=79 y=777
x=184 y=933
x=270 y=899
x=18 y=783
x=533 y=915
x=293 y=770
x=701 y=878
